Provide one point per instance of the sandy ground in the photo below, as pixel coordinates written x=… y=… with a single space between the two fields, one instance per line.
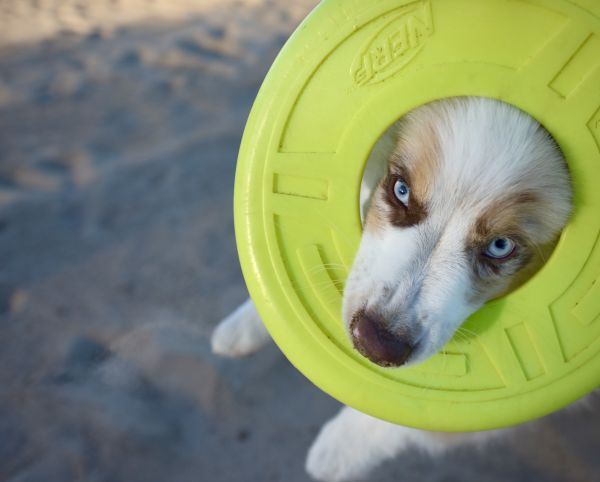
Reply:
x=32 y=20
x=118 y=139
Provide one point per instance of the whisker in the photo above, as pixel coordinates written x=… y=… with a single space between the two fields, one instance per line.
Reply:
x=327 y=267
x=466 y=330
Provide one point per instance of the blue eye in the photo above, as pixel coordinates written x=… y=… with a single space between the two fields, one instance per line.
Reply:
x=500 y=248
x=401 y=191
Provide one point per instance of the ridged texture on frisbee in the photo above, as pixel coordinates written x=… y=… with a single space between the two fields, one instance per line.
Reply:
x=349 y=71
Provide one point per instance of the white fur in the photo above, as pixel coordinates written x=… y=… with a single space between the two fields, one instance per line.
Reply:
x=241 y=333
x=488 y=149
x=352 y=443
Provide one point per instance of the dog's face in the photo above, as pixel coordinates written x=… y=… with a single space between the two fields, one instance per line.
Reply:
x=474 y=191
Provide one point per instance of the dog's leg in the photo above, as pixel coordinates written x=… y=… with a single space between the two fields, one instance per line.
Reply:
x=352 y=443
x=241 y=333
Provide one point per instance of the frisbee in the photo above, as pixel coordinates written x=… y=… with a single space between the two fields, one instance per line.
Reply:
x=350 y=70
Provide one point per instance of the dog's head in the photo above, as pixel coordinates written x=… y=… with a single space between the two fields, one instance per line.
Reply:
x=474 y=191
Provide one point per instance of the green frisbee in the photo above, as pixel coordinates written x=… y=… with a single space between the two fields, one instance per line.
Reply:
x=351 y=69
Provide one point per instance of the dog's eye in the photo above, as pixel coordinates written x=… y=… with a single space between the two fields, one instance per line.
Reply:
x=401 y=191
x=500 y=248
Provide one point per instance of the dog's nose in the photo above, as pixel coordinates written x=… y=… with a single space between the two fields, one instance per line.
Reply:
x=378 y=344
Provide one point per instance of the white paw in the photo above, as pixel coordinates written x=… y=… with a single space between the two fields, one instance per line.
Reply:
x=343 y=450
x=329 y=459
x=241 y=333
x=352 y=444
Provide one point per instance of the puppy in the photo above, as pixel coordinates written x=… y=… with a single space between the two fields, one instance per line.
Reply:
x=462 y=200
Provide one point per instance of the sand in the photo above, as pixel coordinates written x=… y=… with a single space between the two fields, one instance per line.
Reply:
x=119 y=129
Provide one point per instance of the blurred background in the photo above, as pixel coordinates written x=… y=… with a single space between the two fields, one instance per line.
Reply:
x=120 y=122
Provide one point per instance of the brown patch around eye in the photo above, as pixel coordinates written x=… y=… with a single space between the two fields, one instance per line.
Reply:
x=418 y=150
x=415 y=159
x=485 y=266
x=509 y=264
x=506 y=217
x=399 y=214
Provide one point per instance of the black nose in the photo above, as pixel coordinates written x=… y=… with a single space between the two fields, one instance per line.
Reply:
x=373 y=340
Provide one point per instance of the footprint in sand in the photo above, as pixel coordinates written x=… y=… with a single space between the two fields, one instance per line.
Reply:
x=49 y=174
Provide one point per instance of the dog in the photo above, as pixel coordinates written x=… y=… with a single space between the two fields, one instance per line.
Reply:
x=462 y=200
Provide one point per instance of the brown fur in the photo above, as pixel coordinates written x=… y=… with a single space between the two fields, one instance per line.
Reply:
x=414 y=160
x=507 y=217
x=376 y=217
x=418 y=152
x=399 y=214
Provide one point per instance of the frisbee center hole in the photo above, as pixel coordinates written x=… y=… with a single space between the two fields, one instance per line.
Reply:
x=376 y=169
